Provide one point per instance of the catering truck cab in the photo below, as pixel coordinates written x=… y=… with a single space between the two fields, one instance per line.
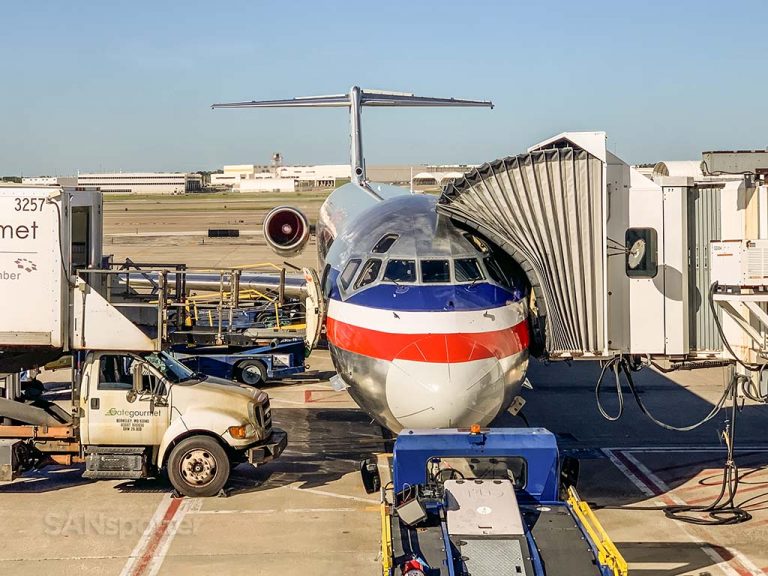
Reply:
x=134 y=409
x=136 y=414
x=144 y=412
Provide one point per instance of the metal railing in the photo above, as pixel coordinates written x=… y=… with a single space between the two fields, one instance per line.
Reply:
x=176 y=303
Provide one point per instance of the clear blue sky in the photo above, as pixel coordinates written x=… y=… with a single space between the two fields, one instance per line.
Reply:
x=126 y=85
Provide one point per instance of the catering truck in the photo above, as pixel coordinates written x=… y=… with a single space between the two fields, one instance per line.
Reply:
x=134 y=409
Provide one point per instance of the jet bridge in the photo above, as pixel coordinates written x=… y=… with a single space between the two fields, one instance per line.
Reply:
x=618 y=263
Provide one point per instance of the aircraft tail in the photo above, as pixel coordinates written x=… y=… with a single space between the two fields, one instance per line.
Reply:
x=355 y=100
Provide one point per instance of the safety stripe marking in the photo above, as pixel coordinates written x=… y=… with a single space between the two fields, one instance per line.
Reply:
x=285 y=510
x=334 y=495
x=148 y=555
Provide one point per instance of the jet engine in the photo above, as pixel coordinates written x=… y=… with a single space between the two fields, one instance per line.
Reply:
x=286 y=231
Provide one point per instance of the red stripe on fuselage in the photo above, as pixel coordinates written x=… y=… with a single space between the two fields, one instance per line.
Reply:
x=443 y=348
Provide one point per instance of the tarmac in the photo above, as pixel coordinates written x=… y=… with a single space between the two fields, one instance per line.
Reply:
x=307 y=513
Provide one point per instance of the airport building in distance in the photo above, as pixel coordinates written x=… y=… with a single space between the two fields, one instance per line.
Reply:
x=264 y=178
x=50 y=181
x=142 y=182
x=258 y=178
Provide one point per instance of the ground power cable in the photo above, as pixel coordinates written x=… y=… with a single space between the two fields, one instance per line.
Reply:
x=723 y=510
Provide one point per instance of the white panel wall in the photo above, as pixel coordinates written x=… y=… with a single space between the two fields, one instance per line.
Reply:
x=675 y=269
x=646 y=295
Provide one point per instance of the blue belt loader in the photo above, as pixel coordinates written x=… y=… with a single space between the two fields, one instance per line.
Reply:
x=485 y=502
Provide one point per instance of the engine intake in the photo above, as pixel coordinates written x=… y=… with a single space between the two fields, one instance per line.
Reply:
x=286 y=231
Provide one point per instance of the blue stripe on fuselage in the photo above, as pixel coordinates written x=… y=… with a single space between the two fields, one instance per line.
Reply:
x=425 y=298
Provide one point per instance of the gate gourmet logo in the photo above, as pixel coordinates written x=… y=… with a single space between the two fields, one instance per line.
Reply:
x=22 y=265
x=25 y=264
x=131 y=413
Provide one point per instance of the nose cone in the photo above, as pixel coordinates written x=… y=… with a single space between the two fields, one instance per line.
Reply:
x=461 y=384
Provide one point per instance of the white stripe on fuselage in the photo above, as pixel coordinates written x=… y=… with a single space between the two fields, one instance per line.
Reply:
x=430 y=322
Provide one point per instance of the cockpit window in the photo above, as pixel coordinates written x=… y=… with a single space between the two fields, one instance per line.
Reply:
x=383 y=245
x=400 y=271
x=349 y=272
x=467 y=270
x=495 y=272
x=369 y=274
x=435 y=271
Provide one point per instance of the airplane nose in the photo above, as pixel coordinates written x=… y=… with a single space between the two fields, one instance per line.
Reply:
x=445 y=381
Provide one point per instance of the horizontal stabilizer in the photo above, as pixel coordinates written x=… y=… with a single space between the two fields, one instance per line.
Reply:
x=367 y=98
x=355 y=100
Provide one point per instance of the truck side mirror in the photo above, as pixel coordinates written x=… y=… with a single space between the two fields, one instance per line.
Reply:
x=369 y=472
x=136 y=382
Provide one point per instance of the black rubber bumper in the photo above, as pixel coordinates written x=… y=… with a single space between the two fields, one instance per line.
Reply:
x=269 y=449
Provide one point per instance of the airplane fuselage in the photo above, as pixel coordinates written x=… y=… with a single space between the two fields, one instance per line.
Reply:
x=424 y=326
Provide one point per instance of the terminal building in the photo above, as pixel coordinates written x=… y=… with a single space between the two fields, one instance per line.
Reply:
x=50 y=181
x=143 y=182
x=264 y=178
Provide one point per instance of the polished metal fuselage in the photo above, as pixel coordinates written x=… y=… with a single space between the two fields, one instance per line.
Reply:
x=441 y=395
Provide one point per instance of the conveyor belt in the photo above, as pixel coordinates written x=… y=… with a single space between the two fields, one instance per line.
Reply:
x=563 y=547
x=424 y=541
x=494 y=557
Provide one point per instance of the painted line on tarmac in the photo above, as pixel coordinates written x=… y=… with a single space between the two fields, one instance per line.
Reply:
x=149 y=553
x=333 y=495
x=683 y=448
x=710 y=497
x=649 y=477
x=640 y=475
x=275 y=511
x=627 y=472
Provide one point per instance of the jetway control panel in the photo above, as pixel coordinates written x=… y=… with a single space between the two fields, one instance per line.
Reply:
x=618 y=261
x=740 y=263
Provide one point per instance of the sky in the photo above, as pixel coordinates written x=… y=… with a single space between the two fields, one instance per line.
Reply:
x=127 y=85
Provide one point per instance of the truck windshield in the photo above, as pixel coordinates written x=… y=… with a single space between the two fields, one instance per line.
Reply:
x=171 y=369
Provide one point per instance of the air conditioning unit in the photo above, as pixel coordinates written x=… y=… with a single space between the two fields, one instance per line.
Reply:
x=742 y=263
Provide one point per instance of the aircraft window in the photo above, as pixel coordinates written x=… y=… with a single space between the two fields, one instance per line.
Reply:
x=467 y=270
x=369 y=274
x=383 y=245
x=477 y=243
x=495 y=272
x=400 y=271
x=435 y=271
x=349 y=272
x=326 y=281
x=325 y=242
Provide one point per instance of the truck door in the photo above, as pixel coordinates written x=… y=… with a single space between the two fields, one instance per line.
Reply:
x=118 y=416
x=314 y=306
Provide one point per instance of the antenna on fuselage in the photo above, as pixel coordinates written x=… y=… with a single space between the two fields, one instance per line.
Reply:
x=355 y=100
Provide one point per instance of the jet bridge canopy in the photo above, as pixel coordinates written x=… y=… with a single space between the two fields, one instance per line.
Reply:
x=546 y=210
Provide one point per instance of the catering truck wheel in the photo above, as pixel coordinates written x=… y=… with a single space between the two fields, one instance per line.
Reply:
x=198 y=466
x=251 y=372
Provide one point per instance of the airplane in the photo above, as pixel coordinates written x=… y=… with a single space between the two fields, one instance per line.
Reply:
x=427 y=324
